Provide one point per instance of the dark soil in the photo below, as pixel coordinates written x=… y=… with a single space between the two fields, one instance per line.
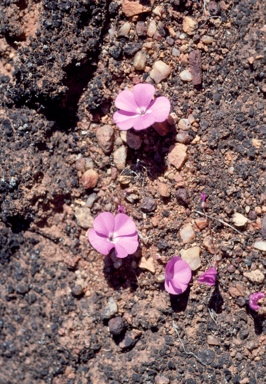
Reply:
x=62 y=64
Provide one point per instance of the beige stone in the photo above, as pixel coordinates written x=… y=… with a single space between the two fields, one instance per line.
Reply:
x=187 y=233
x=177 y=155
x=89 y=179
x=192 y=257
x=189 y=25
x=160 y=71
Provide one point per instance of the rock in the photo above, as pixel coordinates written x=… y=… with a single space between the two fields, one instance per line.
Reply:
x=77 y=290
x=195 y=67
x=132 y=8
x=141 y=28
x=147 y=264
x=207 y=39
x=109 y=310
x=120 y=157
x=132 y=139
x=192 y=257
x=89 y=179
x=124 y=30
x=206 y=356
x=187 y=233
x=260 y=245
x=214 y=8
x=160 y=71
x=128 y=342
x=182 y=197
x=80 y=164
x=177 y=155
x=237 y=290
x=201 y=223
x=163 y=189
x=263 y=227
x=22 y=289
x=162 y=128
x=212 y=340
x=125 y=180
x=186 y=75
x=148 y=205
x=91 y=200
x=116 y=325
x=183 y=137
x=151 y=28
x=131 y=48
x=139 y=61
x=255 y=276
x=161 y=380
x=105 y=137
x=189 y=25
x=83 y=217
x=184 y=124
x=239 y=220
x=209 y=245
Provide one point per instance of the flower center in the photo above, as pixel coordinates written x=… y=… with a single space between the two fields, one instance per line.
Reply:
x=111 y=237
x=141 y=110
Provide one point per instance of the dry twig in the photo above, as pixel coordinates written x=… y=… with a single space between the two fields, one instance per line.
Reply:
x=219 y=220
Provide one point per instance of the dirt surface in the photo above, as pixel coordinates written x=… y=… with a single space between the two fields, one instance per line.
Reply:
x=62 y=63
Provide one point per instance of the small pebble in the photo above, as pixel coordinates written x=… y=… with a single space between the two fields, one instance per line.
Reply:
x=183 y=137
x=105 y=137
x=77 y=290
x=109 y=310
x=260 y=245
x=184 y=124
x=89 y=179
x=177 y=155
x=192 y=257
x=120 y=157
x=189 y=25
x=148 y=205
x=139 y=61
x=116 y=325
x=124 y=30
x=186 y=75
x=132 y=139
x=182 y=197
x=83 y=217
x=209 y=245
x=163 y=190
x=201 y=223
x=151 y=28
x=187 y=234
x=160 y=71
x=255 y=276
x=239 y=220
x=212 y=340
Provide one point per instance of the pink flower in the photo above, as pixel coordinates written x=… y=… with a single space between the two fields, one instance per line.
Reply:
x=138 y=109
x=253 y=300
x=121 y=209
x=118 y=232
x=208 y=277
x=177 y=276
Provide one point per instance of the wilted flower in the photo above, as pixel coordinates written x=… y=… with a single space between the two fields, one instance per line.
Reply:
x=118 y=232
x=177 y=276
x=121 y=209
x=203 y=196
x=208 y=277
x=253 y=300
x=138 y=109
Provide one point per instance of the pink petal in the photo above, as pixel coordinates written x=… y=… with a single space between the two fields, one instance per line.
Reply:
x=143 y=94
x=253 y=300
x=124 y=120
x=143 y=121
x=182 y=273
x=124 y=225
x=208 y=277
x=126 y=101
x=129 y=243
x=120 y=251
x=100 y=243
x=160 y=109
x=169 y=287
x=104 y=223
